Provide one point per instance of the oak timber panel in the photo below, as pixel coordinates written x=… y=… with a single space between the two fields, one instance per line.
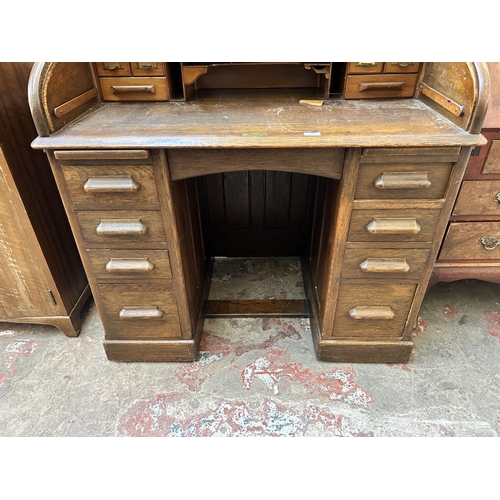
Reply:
x=478 y=198
x=157 y=299
x=462 y=241
x=185 y=163
x=141 y=177
x=256 y=214
x=492 y=162
x=396 y=297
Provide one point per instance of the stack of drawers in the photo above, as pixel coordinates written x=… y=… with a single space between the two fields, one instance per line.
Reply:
x=116 y=216
x=398 y=200
x=137 y=81
x=472 y=242
x=376 y=79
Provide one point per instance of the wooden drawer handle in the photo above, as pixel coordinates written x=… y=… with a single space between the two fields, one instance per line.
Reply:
x=111 y=184
x=362 y=87
x=384 y=266
x=138 y=312
x=394 y=226
x=403 y=180
x=489 y=242
x=121 y=227
x=371 y=312
x=133 y=89
x=129 y=266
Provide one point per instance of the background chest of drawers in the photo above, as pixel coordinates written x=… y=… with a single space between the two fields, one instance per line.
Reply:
x=471 y=248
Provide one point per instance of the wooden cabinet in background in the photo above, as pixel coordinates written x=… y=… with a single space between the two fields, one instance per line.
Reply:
x=43 y=280
x=471 y=248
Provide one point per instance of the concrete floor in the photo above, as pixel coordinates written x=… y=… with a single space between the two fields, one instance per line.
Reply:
x=260 y=377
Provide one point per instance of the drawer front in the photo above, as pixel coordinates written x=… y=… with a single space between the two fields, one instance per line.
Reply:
x=365 y=67
x=383 y=86
x=120 y=265
x=471 y=241
x=403 y=181
x=368 y=311
x=135 y=89
x=492 y=161
x=384 y=263
x=117 y=228
x=393 y=225
x=140 y=312
x=478 y=198
x=401 y=67
x=110 y=184
x=113 y=68
x=148 y=69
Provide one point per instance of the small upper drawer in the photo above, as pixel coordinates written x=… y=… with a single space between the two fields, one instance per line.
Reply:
x=401 y=67
x=120 y=265
x=148 y=69
x=478 y=198
x=135 y=89
x=393 y=225
x=113 y=68
x=383 y=86
x=471 y=241
x=117 y=228
x=403 y=181
x=372 y=311
x=365 y=67
x=110 y=185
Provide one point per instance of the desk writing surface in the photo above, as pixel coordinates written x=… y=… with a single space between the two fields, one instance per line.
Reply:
x=268 y=120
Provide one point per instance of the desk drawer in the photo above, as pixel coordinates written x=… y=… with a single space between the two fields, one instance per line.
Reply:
x=368 y=311
x=135 y=89
x=384 y=263
x=383 y=86
x=110 y=185
x=393 y=225
x=118 y=228
x=478 y=198
x=119 y=265
x=403 y=181
x=471 y=241
x=140 y=312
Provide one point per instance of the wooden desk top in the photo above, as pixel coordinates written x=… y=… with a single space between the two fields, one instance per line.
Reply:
x=242 y=119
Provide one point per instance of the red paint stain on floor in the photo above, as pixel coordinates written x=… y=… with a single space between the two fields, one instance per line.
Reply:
x=450 y=311
x=166 y=415
x=405 y=368
x=421 y=327
x=493 y=320
x=275 y=372
x=18 y=349
x=190 y=373
x=3 y=379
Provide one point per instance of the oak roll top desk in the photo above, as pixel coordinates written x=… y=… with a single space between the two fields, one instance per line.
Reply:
x=353 y=166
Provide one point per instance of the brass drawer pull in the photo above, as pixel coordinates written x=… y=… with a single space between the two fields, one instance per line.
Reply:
x=129 y=266
x=403 y=180
x=133 y=89
x=138 y=312
x=366 y=64
x=109 y=67
x=497 y=197
x=489 y=242
x=371 y=265
x=402 y=64
x=394 y=226
x=121 y=227
x=367 y=86
x=371 y=312
x=141 y=65
x=108 y=184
